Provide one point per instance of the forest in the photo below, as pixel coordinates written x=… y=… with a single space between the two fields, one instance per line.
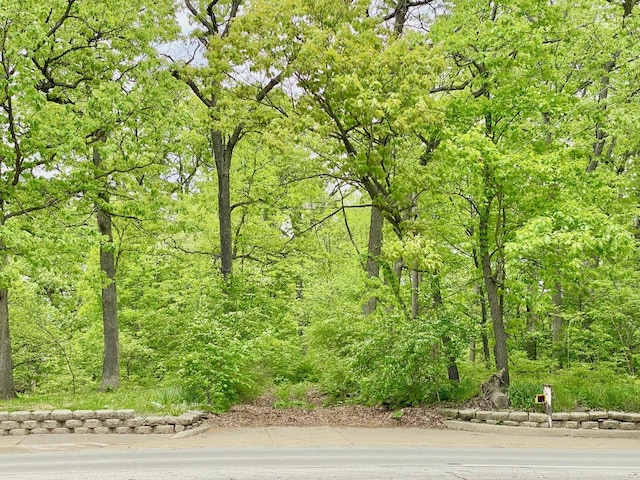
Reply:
x=385 y=200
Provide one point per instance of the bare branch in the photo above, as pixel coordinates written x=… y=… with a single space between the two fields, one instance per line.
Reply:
x=268 y=87
x=325 y=218
x=209 y=102
x=212 y=15
x=404 y=4
x=450 y=88
x=34 y=208
x=62 y=19
x=237 y=134
x=232 y=14
x=172 y=243
x=346 y=224
x=211 y=29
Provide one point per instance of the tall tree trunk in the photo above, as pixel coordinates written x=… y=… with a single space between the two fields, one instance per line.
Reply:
x=111 y=359
x=373 y=253
x=531 y=343
x=302 y=322
x=452 y=366
x=7 y=387
x=416 y=279
x=111 y=355
x=218 y=27
x=497 y=318
x=222 y=155
x=479 y=291
x=486 y=351
x=603 y=95
x=492 y=284
x=415 y=274
x=400 y=16
x=492 y=280
x=557 y=323
x=601 y=134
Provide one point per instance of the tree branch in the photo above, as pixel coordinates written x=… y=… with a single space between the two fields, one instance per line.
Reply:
x=233 y=12
x=34 y=208
x=450 y=88
x=268 y=87
x=211 y=30
x=194 y=88
x=62 y=19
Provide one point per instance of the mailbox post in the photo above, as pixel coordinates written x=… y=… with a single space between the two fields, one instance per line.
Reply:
x=547 y=404
x=545 y=399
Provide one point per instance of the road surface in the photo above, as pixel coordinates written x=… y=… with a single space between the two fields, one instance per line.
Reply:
x=317 y=462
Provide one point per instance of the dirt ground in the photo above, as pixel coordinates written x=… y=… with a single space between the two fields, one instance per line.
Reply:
x=263 y=413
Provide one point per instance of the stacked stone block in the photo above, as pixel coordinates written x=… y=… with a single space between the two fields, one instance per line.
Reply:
x=595 y=420
x=94 y=421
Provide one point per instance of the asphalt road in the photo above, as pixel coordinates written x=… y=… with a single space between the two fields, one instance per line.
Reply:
x=318 y=462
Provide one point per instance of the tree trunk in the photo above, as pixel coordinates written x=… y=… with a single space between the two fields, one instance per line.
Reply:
x=224 y=219
x=557 y=325
x=400 y=16
x=373 y=254
x=302 y=321
x=601 y=134
x=416 y=279
x=531 y=343
x=479 y=291
x=222 y=156
x=557 y=322
x=494 y=296
x=492 y=390
x=497 y=318
x=7 y=388
x=486 y=351
x=452 y=366
x=603 y=95
x=111 y=356
x=628 y=7
x=111 y=359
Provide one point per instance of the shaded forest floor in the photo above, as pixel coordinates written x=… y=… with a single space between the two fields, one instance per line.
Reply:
x=267 y=412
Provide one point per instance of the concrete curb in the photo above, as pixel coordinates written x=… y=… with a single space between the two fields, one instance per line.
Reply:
x=193 y=432
x=539 y=432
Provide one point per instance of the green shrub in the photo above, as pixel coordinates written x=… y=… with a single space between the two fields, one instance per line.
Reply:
x=294 y=395
x=459 y=392
x=597 y=388
x=522 y=393
x=282 y=360
x=215 y=370
x=588 y=386
x=399 y=362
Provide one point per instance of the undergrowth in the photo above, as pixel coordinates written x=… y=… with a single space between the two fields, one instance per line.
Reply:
x=158 y=400
x=581 y=387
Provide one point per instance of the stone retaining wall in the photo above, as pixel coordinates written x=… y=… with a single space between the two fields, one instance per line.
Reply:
x=589 y=420
x=94 y=421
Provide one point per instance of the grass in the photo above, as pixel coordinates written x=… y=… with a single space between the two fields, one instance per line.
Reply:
x=294 y=395
x=144 y=401
x=587 y=387
x=579 y=387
